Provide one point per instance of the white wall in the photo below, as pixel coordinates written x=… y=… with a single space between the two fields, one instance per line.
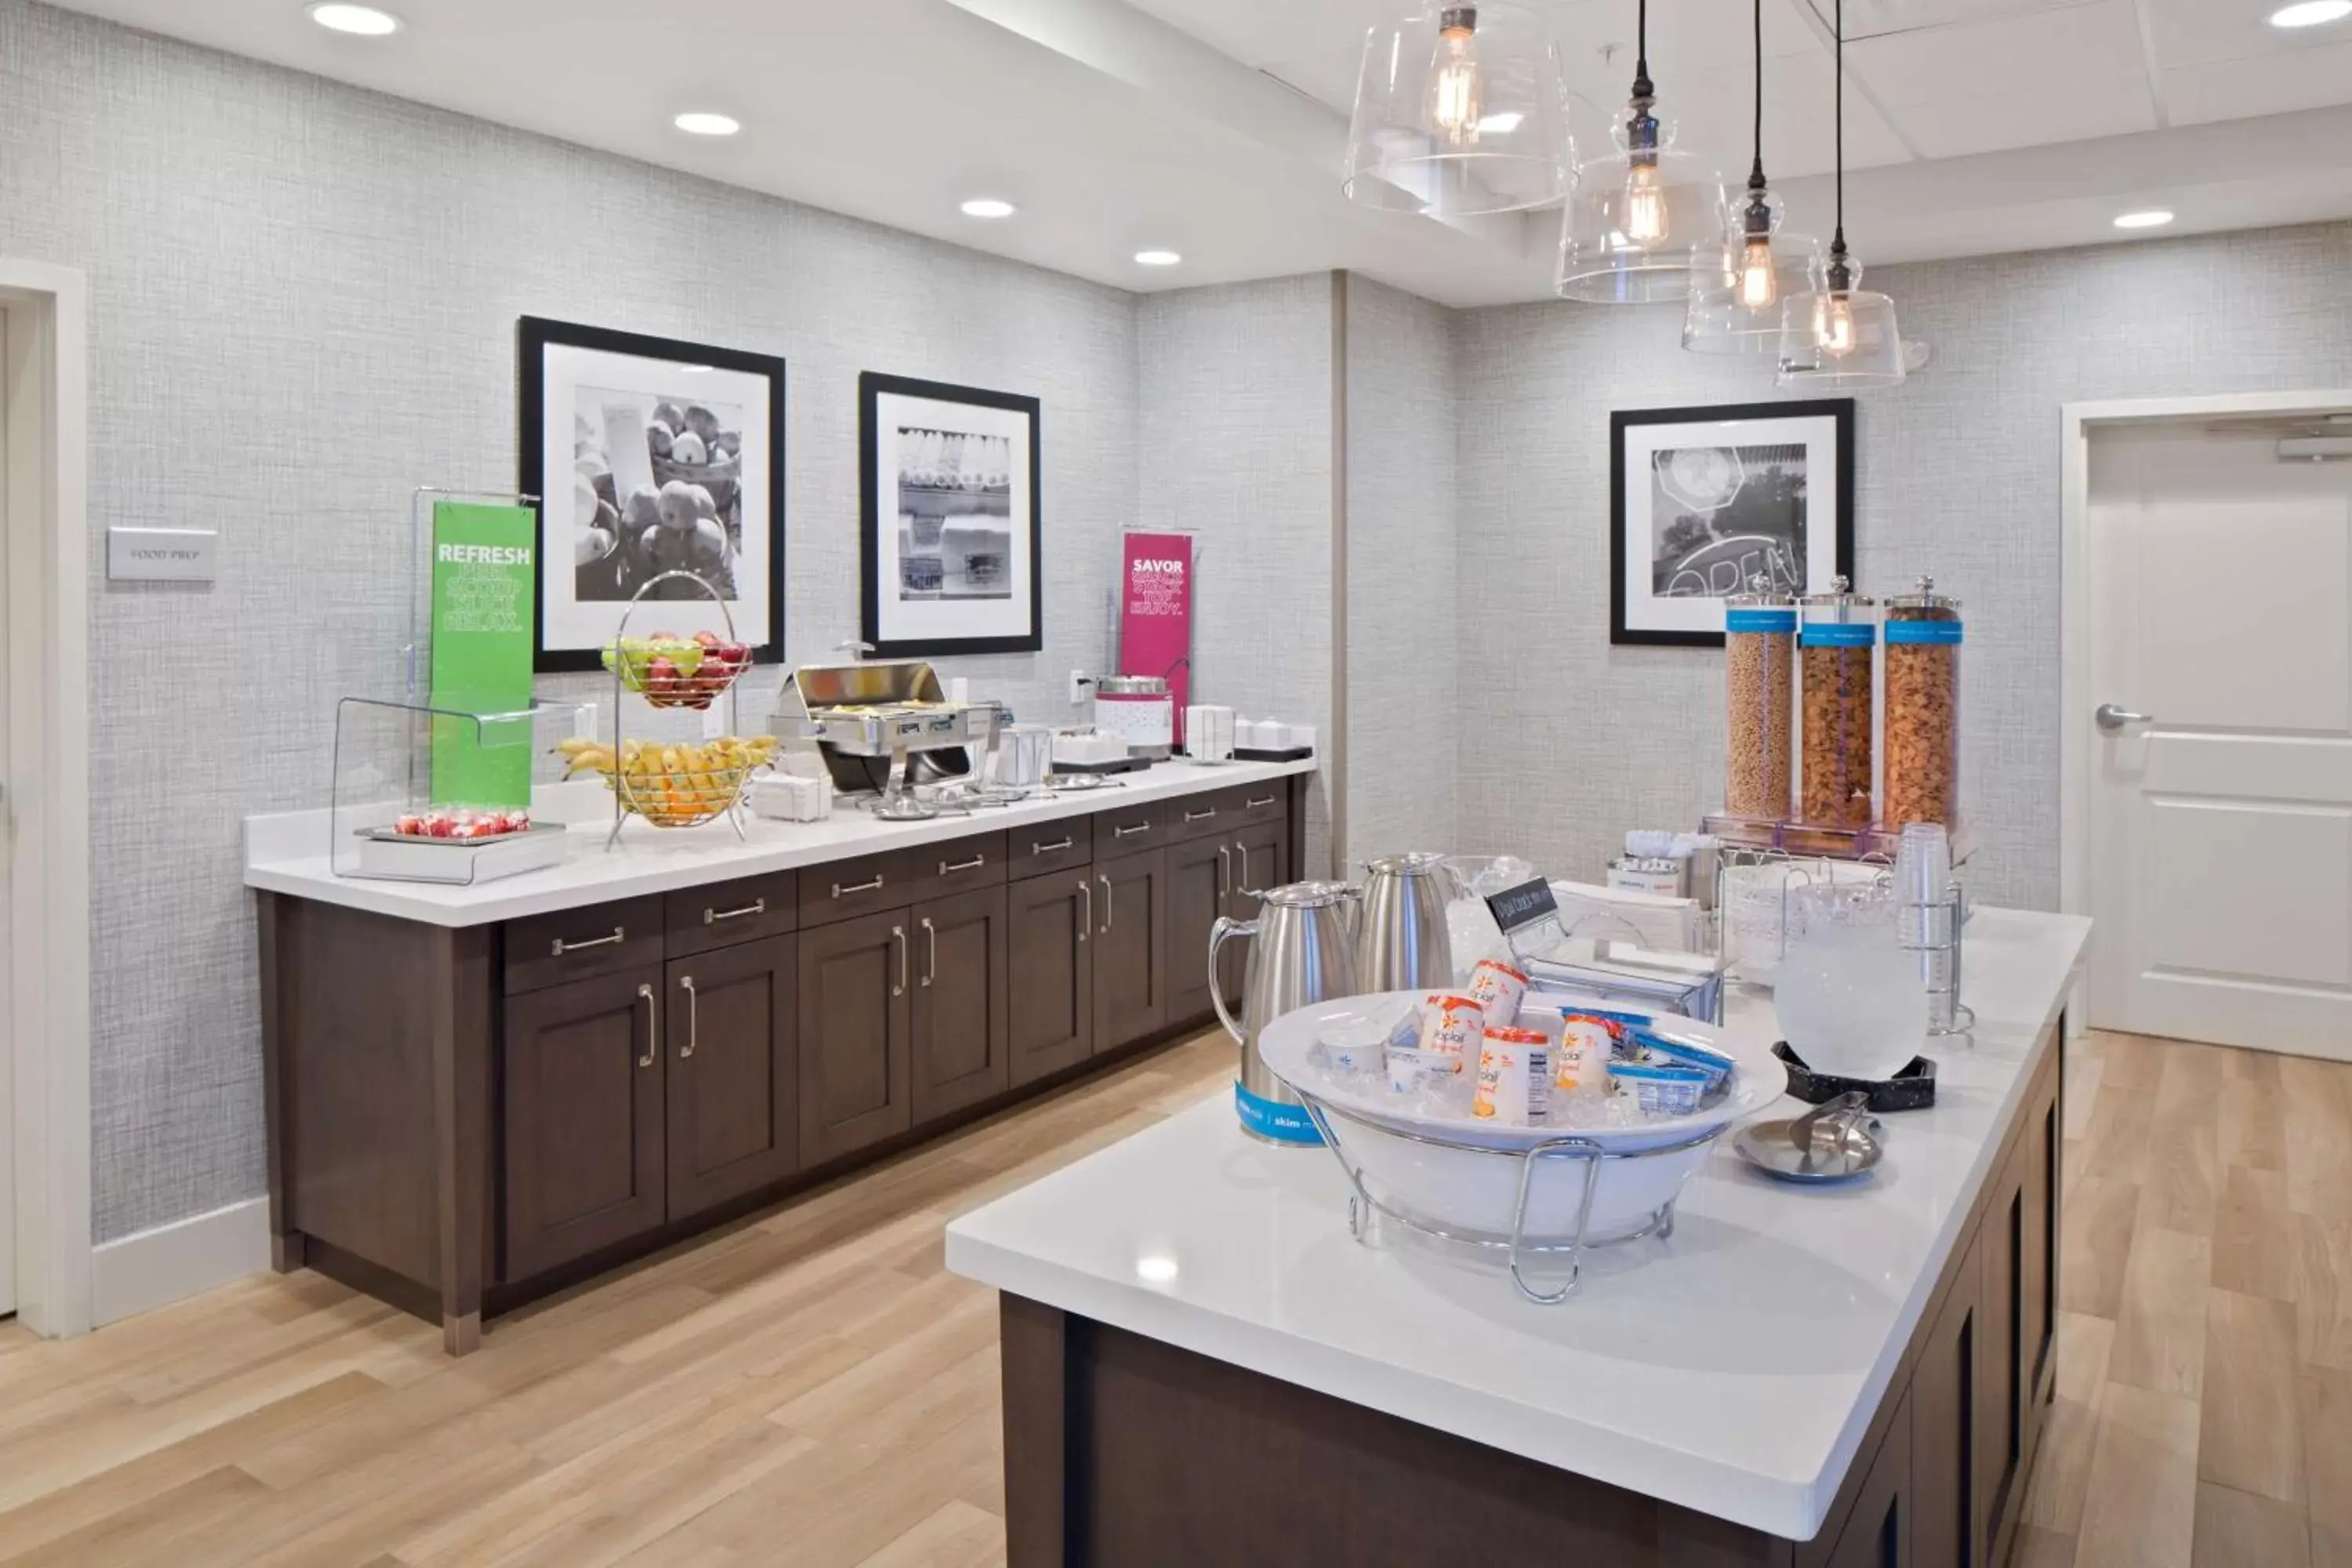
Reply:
x=1958 y=474
x=303 y=305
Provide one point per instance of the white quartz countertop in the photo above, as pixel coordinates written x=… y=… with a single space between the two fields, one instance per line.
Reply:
x=286 y=854
x=1733 y=1369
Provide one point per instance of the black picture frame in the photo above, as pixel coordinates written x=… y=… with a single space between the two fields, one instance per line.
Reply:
x=872 y=387
x=1624 y=627
x=534 y=336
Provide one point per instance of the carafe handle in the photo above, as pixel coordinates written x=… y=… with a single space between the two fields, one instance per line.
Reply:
x=1218 y=933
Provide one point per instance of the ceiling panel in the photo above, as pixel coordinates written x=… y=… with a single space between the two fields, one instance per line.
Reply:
x=1879 y=18
x=2309 y=77
x=2207 y=32
x=1259 y=32
x=2033 y=59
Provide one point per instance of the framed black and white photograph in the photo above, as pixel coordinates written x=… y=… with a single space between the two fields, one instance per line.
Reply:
x=950 y=510
x=651 y=456
x=1703 y=500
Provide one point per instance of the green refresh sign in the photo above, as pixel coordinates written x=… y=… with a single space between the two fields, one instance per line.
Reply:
x=484 y=568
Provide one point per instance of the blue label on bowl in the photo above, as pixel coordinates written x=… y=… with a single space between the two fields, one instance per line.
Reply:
x=1272 y=1119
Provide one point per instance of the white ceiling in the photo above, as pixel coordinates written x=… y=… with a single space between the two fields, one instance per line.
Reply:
x=1217 y=127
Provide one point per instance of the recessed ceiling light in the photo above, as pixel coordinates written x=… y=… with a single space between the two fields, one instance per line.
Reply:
x=696 y=123
x=365 y=20
x=2154 y=218
x=1158 y=257
x=987 y=206
x=1155 y=1269
x=2311 y=13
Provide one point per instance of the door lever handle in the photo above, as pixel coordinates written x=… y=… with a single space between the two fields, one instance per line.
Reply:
x=2111 y=718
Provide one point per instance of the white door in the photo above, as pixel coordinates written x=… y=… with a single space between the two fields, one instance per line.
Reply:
x=2220 y=848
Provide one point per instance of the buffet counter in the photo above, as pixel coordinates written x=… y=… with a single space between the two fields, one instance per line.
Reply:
x=1201 y=1364
x=478 y=1095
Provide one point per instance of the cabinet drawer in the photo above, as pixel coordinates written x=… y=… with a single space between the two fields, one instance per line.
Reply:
x=866 y=885
x=1129 y=830
x=724 y=914
x=957 y=865
x=1049 y=846
x=1202 y=816
x=575 y=944
x=1267 y=802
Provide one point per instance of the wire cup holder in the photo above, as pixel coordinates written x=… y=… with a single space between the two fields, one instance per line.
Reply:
x=1366 y=1207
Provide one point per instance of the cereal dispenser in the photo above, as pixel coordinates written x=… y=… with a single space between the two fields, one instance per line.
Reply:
x=1835 y=648
x=1759 y=637
x=1922 y=708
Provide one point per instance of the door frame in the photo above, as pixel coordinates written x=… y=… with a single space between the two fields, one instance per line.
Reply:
x=45 y=531
x=2077 y=737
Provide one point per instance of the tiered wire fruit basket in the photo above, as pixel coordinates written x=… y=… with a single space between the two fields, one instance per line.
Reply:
x=673 y=780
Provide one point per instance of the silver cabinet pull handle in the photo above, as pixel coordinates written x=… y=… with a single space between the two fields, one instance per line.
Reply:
x=652 y=1026
x=1200 y=815
x=1050 y=848
x=898 y=935
x=1087 y=924
x=756 y=906
x=1253 y=804
x=693 y=1017
x=2111 y=718
x=560 y=947
x=974 y=864
x=930 y=952
x=1243 y=850
x=1110 y=904
x=873 y=887
x=1224 y=869
x=1131 y=831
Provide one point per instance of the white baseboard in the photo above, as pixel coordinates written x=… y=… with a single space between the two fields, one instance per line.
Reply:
x=175 y=1261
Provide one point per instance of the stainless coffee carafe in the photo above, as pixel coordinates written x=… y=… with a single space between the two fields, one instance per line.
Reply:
x=1401 y=939
x=1302 y=952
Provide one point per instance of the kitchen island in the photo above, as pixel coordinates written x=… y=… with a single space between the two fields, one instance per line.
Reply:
x=479 y=1095
x=1201 y=1364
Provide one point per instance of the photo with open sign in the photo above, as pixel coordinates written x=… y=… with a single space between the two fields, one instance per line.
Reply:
x=1706 y=502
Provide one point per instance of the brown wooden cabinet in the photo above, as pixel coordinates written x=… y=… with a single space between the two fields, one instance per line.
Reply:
x=1200 y=875
x=1877 y=1532
x=961 y=1016
x=734 y=1116
x=1946 y=1522
x=582 y=1090
x=1049 y=923
x=1130 y=942
x=856 y=1034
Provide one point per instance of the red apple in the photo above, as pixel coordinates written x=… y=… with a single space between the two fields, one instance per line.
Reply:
x=708 y=639
x=661 y=675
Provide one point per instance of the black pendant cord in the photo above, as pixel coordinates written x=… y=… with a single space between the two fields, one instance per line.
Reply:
x=1642 y=87
x=1837 y=243
x=1756 y=173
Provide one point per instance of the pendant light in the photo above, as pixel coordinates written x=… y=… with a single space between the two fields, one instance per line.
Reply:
x=1738 y=283
x=1640 y=215
x=1460 y=110
x=1837 y=336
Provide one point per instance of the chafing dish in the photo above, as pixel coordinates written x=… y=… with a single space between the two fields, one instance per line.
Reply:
x=883 y=726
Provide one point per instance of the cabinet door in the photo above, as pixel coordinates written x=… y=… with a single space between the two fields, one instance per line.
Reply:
x=1129 y=938
x=1199 y=878
x=962 y=1023
x=1945 y=1518
x=854 y=1087
x=2038 y=1258
x=583 y=1092
x=1261 y=860
x=1049 y=921
x=734 y=1117
x=2001 y=1373
x=1878 y=1533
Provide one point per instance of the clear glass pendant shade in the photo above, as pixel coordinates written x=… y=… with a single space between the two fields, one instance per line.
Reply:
x=1461 y=109
x=1737 y=285
x=1637 y=221
x=1837 y=335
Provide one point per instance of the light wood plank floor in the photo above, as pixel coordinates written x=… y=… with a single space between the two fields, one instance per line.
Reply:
x=813 y=1388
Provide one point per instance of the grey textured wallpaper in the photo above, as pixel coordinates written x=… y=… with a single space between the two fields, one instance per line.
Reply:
x=303 y=305
x=1234 y=441
x=1958 y=475
x=1403 y=647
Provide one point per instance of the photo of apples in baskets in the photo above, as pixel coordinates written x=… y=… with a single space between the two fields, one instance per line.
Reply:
x=671 y=671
